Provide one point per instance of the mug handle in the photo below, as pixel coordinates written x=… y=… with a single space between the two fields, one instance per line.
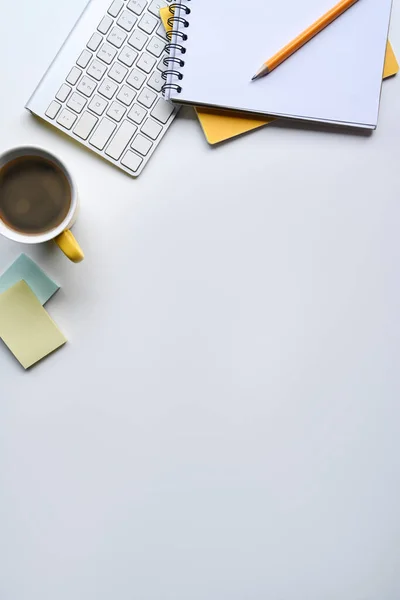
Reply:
x=68 y=244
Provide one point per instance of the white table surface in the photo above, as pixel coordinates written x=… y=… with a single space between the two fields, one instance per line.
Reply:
x=224 y=421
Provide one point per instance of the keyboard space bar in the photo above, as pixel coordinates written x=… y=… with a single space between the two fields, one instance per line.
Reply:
x=121 y=140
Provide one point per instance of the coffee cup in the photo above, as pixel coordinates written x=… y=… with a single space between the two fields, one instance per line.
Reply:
x=38 y=200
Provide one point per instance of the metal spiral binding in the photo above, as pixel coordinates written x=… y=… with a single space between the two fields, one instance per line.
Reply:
x=176 y=39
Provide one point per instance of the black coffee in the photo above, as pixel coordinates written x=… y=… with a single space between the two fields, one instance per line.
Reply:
x=35 y=195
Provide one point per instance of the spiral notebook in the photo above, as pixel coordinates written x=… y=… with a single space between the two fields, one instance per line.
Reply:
x=218 y=126
x=336 y=78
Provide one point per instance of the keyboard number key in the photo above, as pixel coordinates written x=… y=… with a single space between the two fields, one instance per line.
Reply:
x=116 y=37
x=86 y=86
x=53 y=110
x=98 y=105
x=107 y=53
x=127 y=20
x=85 y=125
x=132 y=161
x=97 y=70
x=66 y=118
x=137 y=6
x=151 y=129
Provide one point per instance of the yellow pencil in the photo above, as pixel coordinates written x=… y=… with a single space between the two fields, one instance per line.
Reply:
x=304 y=37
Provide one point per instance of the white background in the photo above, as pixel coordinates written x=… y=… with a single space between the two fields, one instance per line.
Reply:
x=224 y=421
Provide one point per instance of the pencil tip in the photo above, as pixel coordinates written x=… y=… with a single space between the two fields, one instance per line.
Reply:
x=261 y=73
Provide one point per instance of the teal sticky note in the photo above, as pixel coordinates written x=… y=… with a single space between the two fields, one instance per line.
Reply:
x=25 y=268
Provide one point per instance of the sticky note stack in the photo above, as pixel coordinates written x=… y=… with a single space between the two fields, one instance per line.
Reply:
x=25 y=326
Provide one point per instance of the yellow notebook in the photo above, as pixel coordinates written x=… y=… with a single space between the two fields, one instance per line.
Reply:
x=219 y=126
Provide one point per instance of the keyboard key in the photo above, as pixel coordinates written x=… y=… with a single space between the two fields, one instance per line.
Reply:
x=138 y=40
x=74 y=75
x=121 y=140
x=115 y=8
x=107 y=53
x=118 y=72
x=105 y=24
x=146 y=62
x=127 y=56
x=85 y=125
x=126 y=95
x=98 y=105
x=63 y=92
x=116 y=111
x=94 y=42
x=132 y=161
x=161 y=67
x=76 y=102
x=141 y=144
x=86 y=86
x=108 y=88
x=137 y=114
x=84 y=59
x=147 y=97
x=66 y=118
x=116 y=37
x=156 y=46
x=97 y=70
x=161 y=32
x=148 y=23
x=136 y=79
x=137 y=6
x=53 y=110
x=155 y=7
x=127 y=20
x=102 y=134
x=156 y=81
x=151 y=128
x=162 y=110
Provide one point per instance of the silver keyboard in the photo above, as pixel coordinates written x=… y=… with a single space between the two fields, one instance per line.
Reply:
x=104 y=87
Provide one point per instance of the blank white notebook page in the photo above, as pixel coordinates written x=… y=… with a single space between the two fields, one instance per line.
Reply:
x=335 y=78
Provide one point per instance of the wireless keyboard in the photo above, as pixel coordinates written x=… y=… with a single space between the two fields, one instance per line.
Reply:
x=104 y=87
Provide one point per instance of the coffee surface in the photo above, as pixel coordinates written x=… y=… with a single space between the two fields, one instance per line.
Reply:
x=35 y=195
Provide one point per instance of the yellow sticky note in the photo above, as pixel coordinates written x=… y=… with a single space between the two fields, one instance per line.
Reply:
x=219 y=126
x=25 y=327
x=391 y=64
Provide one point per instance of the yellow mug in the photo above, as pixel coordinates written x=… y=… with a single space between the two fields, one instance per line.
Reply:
x=61 y=234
